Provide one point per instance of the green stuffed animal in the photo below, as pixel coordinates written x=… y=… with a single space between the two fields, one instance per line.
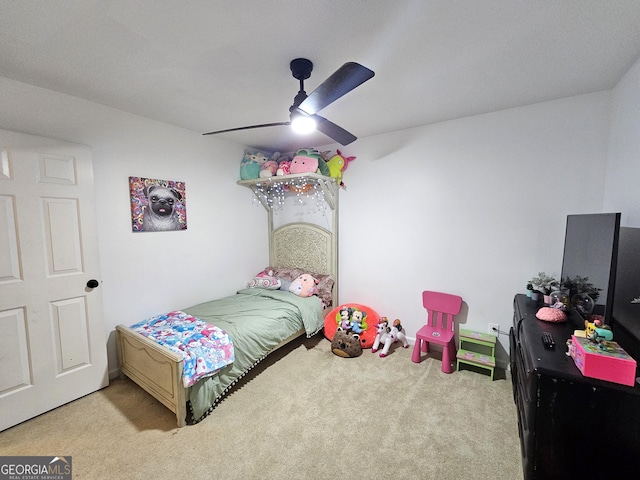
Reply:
x=251 y=164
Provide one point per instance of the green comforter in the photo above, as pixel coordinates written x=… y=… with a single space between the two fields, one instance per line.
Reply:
x=257 y=320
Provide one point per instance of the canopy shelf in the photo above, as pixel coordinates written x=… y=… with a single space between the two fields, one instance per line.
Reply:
x=268 y=189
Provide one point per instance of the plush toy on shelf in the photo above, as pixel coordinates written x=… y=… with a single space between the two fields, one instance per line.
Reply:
x=337 y=164
x=387 y=335
x=284 y=168
x=268 y=169
x=251 y=164
x=309 y=160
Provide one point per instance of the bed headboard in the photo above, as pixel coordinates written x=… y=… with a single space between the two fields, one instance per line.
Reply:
x=307 y=246
x=303 y=245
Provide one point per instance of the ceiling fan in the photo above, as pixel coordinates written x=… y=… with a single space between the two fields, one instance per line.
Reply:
x=305 y=107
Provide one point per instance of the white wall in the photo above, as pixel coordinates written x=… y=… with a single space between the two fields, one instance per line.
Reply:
x=144 y=274
x=623 y=180
x=474 y=206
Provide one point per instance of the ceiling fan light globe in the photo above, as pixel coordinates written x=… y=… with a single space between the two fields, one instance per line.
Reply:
x=303 y=124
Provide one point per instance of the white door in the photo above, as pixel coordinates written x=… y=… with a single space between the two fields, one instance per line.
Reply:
x=52 y=337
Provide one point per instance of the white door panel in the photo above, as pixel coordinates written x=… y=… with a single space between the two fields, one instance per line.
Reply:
x=52 y=338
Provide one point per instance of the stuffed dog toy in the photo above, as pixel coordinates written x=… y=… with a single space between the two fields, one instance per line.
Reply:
x=160 y=214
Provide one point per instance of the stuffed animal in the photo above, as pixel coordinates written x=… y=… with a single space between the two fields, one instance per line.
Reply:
x=284 y=168
x=304 y=286
x=343 y=318
x=305 y=160
x=268 y=169
x=382 y=336
x=308 y=160
x=265 y=279
x=338 y=164
x=341 y=315
x=388 y=335
x=346 y=344
x=251 y=164
x=265 y=273
x=597 y=332
x=358 y=322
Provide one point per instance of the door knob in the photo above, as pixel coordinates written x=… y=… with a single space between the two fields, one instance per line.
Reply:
x=92 y=283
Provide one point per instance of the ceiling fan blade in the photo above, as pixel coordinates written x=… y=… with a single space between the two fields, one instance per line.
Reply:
x=248 y=128
x=333 y=131
x=342 y=81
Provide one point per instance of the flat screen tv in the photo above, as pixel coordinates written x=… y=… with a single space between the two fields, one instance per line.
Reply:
x=589 y=261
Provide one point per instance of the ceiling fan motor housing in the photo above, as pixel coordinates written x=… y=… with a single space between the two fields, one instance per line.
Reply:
x=301 y=68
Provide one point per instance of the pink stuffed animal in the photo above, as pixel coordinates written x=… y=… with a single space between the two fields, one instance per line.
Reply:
x=305 y=160
x=304 y=286
x=268 y=169
x=284 y=168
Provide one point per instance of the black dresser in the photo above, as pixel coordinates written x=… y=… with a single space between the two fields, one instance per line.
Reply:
x=570 y=426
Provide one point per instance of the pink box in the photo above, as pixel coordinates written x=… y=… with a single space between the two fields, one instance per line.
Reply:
x=611 y=363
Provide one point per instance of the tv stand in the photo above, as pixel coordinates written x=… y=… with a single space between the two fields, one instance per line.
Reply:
x=570 y=426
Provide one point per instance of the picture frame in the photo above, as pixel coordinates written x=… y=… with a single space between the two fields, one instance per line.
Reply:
x=157 y=205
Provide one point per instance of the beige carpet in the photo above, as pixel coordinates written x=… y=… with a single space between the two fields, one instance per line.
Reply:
x=305 y=413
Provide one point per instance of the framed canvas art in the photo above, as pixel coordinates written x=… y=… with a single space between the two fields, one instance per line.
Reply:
x=157 y=205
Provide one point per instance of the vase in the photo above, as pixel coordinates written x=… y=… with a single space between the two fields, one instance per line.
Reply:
x=584 y=304
x=560 y=299
x=535 y=296
x=547 y=299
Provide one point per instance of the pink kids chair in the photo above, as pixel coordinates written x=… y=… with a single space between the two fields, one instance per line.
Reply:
x=441 y=310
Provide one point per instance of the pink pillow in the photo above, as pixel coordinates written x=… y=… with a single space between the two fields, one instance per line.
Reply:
x=265 y=279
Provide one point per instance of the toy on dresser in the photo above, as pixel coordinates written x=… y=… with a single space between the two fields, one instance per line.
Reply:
x=597 y=332
x=388 y=335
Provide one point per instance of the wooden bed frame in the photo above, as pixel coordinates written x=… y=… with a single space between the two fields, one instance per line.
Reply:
x=158 y=370
x=296 y=245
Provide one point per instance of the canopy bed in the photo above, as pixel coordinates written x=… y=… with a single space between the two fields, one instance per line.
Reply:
x=303 y=238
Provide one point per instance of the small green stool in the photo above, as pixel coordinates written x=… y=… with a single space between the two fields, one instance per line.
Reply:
x=478 y=349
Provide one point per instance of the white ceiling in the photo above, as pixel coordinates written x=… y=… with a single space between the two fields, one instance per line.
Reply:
x=213 y=64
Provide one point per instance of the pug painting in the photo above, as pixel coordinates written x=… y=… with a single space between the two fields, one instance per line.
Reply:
x=160 y=212
x=157 y=205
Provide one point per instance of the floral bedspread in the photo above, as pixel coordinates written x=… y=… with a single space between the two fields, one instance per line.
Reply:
x=205 y=348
